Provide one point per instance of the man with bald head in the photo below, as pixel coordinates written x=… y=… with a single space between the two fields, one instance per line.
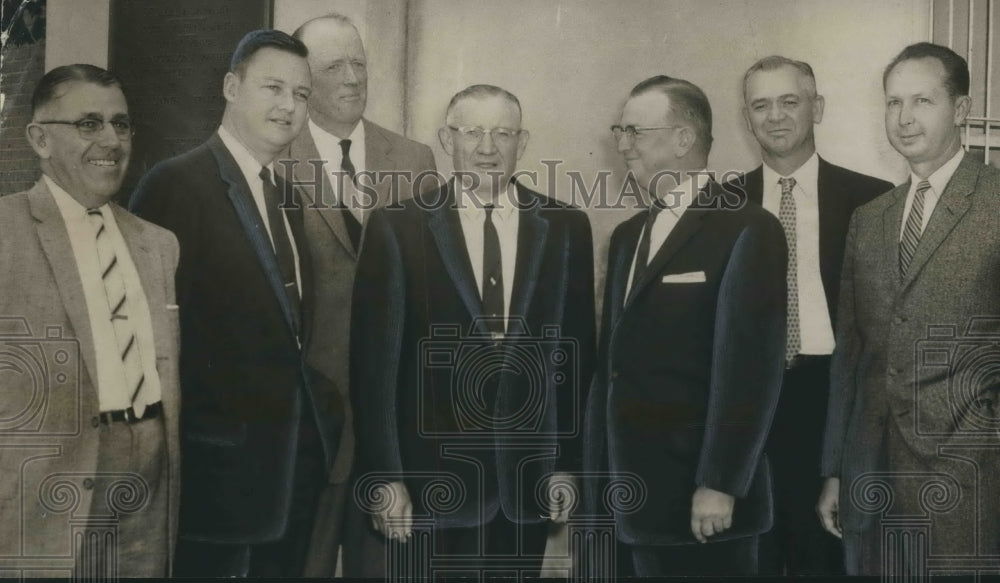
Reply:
x=343 y=164
x=501 y=278
x=814 y=200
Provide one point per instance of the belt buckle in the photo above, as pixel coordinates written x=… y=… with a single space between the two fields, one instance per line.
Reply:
x=129 y=414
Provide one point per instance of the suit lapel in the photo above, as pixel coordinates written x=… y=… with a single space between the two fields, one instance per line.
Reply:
x=304 y=150
x=754 y=185
x=378 y=157
x=833 y=221
x=447 y=231
x=532 y=232
x=246 y=212
x=685 y=228
x=892 y=222
x=952 y=205
x=59 y=251
x=619 y=260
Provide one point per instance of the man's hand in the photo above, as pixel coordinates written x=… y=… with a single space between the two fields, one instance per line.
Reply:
x=828 y=507
x=711 y=513
x=396 y=521
x=562 y=494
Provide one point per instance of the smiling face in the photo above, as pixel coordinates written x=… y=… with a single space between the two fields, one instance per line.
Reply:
x=267 y=103
x=339 y=75
x=491 y=159
x=654 y=151
x=89 y=170
x=921 y=119
x=781 y=109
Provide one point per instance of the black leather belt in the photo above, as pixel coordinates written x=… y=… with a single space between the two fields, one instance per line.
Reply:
x=128 y=415
x=800 y=360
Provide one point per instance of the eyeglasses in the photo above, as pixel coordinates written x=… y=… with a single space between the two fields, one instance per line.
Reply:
x=632 y=131
x=90 y=128
x=475 y=133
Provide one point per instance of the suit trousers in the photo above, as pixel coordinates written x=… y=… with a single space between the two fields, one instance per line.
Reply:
x=285 y=557
x=736 y=557
x=130 y=505
x=798 y=545
x=343 y=528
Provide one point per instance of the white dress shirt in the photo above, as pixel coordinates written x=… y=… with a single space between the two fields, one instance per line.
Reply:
x=815 y=328
x=328 y=146
x=505 y=218
x=939 y=180
x=668 y=218
x=113 y=391
x=250 y=168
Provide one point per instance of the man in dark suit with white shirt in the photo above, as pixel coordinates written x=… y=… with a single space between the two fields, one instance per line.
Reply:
x=471 y=342
x=256 y=449
x=345 y=166
x=814 y=200
x=691 y=351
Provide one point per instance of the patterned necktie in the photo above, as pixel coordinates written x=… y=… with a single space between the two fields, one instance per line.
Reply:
x=353 y=224
x=786 y=214
x=913 y=229
x=642 y=254
x=118 y=304
x=493 y=300
x=283 y=252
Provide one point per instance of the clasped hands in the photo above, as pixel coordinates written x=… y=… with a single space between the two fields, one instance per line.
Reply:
x=395 y=521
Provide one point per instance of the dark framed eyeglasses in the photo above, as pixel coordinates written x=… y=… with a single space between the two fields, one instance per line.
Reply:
x=90 y=128
x=632 y=131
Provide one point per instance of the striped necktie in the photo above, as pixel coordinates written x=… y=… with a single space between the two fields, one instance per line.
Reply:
x=913 y=229
x=119 y=306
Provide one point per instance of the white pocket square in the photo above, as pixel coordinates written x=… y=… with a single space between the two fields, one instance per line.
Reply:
x=691 y=277
x=173 y=307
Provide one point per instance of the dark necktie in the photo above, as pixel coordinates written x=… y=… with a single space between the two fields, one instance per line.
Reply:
x=493 y=301
x=913 y=229
x=353 y=225
x=642 y=255
x=282 y=245
x=786 y=215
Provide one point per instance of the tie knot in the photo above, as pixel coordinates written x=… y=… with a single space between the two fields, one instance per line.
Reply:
x=489 y=210
x=95 y=216
x=345 y=146
x=787 y=185
x=265 y=174
x=923 y=187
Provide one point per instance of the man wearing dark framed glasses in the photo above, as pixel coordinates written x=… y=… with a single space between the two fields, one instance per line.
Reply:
x=96 y=285
x=693 y=343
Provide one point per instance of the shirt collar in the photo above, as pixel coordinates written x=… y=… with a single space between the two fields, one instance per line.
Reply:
x=696 y=180
x=806 y=176
x=939 y=179
x=249 y=165
x=472 y=207
x=320 y=135
x=69 y=207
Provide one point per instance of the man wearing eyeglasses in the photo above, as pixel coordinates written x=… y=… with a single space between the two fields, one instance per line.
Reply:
x=471 y=345
x=692 y=352
x=814 y=200
x=88 y=350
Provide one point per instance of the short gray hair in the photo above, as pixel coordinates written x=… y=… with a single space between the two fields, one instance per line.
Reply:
x=774 y=62
x=480 y=92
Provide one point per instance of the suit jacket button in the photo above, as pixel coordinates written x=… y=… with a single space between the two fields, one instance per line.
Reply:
x=88 y=484
x=95 y=421
x=614 y=374
x=893 y=371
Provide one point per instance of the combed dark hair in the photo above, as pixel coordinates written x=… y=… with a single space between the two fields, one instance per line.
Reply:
x=256 y=40
x=772 y=62
x=45 y=91
x=956 y=70
x=334 y=16
x=479 y=92
x=687 y=101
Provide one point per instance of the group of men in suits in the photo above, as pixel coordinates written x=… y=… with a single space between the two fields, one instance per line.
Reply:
x=321 y=352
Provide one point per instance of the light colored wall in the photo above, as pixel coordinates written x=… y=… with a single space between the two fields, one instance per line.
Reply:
x=572 y=63
x=76 y=31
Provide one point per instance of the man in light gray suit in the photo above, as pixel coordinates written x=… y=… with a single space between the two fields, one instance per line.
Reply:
x=912 y=423
x=344 y=165
x=89 y=394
